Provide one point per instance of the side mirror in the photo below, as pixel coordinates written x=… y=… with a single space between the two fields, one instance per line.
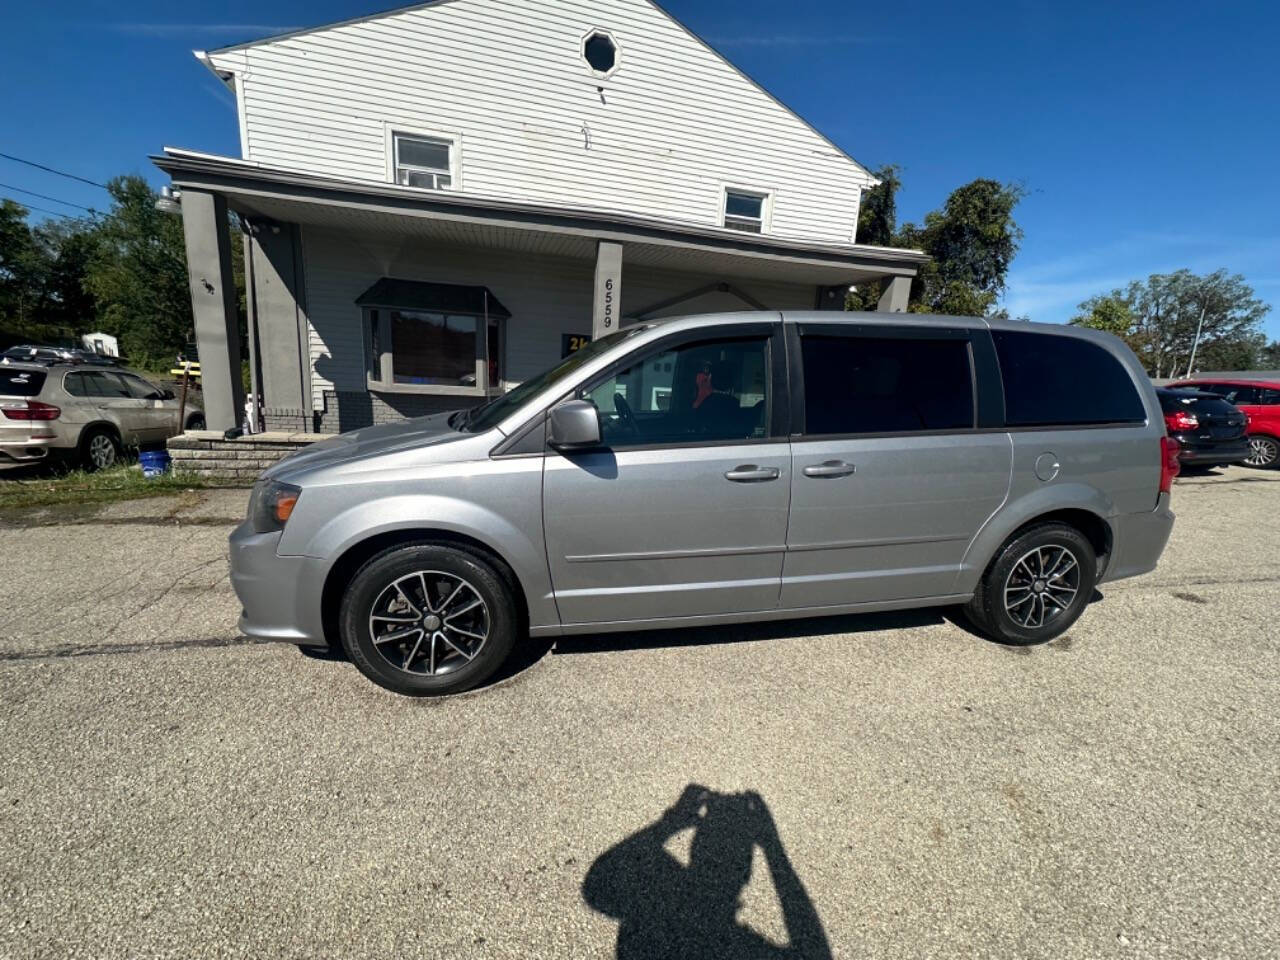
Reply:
x=166 y=394
x=575 y=424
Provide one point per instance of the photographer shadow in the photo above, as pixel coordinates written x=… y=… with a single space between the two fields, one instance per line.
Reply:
x=667 y=909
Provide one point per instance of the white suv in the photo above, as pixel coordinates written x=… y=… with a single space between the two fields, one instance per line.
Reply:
x=89 y=414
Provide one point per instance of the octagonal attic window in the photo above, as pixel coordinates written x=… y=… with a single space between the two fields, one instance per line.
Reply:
x=600 y=51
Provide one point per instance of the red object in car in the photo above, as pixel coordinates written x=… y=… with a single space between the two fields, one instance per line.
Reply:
x=1170 y=467
x=31 y=410
x=1181 y=420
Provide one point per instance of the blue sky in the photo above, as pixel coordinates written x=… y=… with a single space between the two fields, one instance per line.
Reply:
x=1146 y=132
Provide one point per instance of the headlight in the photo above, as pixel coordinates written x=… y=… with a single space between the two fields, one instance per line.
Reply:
x=271 y=505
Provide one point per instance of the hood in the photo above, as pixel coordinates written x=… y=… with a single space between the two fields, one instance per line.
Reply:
x=368 y=443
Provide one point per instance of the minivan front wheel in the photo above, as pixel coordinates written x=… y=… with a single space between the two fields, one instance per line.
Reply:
x=1036 y=587
x=427 y=619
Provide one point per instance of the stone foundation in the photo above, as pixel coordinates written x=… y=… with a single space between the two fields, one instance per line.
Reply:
x=234 y=462
x=350 y=410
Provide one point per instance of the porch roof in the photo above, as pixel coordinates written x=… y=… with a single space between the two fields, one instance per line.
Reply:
x=291 y=197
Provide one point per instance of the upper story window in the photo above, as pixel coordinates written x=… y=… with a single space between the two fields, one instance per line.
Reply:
x=601 y=52
x=425 y=162
x=745 y=210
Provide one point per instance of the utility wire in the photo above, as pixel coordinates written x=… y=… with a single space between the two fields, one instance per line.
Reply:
x=43 y=196
x=41 y=166
x=52 y=213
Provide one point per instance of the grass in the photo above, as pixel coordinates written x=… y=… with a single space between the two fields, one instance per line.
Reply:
x=104 y=486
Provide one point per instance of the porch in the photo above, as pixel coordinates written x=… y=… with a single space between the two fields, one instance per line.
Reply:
x=518 y=284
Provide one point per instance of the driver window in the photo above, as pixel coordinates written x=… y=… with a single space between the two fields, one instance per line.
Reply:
x=711 y=390
x=140 y=389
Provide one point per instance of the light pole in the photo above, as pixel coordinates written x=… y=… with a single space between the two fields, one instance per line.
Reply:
x=1204 y=305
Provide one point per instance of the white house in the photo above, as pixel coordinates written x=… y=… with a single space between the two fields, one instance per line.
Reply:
x=442 y=200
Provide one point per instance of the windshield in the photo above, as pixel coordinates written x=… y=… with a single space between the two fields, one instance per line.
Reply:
x=489 y=415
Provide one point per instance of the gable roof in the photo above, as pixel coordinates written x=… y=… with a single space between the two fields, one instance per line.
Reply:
x=203 y=56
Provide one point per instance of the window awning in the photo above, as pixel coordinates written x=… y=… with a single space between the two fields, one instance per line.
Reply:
x=436 y=297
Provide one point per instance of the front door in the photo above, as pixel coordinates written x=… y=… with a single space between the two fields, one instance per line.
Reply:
x=891 y=478
x=159 y=417
x=683 y=509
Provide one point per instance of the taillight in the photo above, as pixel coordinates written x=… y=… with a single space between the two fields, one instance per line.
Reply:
x=1169 y=466
x=31 y=410
x=1180 y=420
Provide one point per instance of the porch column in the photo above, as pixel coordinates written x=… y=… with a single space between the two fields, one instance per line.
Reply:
x=279 y=305
x=606 y=308
x=896 y=294
x=213 y=304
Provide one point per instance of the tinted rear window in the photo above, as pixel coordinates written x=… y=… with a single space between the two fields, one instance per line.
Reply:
x=885 y=385
x=1063 y=381
x=1192 y=400
x=20 y=383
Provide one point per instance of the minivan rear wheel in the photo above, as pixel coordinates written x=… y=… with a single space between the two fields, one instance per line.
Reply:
x=1036 y=587
x=427 y=619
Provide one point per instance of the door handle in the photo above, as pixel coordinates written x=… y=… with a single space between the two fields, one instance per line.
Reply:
x=750 y=473
x=829 y=470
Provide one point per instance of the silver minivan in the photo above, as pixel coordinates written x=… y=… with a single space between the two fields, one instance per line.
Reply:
x=717 y=469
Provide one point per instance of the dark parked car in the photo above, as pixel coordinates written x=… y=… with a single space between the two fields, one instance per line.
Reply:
x=1210 y=432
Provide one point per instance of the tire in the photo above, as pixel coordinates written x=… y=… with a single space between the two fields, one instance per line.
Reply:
x=1040 y=611
x=451 y=641
x=99 y=449
x=1264 y=452
x=195 y=422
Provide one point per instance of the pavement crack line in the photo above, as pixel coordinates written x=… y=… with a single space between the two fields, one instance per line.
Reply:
x=176 y=521
x=114 y=649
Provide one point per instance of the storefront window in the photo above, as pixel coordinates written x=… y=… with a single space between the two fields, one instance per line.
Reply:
x=433 y=349
x=424 y=351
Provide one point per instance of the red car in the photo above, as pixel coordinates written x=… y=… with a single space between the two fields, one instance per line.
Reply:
x=1260 y=400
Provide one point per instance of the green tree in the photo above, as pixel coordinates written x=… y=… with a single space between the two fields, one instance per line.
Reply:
x=1106 y=312
x=137 y=273
x=66 y=246
x=1165 y=312
x=971 y=242
x=22 y=269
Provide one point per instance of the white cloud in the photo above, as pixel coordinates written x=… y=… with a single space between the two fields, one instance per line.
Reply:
x=1050 y=290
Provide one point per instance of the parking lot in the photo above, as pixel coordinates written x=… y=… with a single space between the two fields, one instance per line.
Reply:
x=171 y=788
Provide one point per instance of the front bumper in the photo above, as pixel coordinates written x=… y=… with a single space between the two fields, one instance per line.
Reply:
x=280 y=596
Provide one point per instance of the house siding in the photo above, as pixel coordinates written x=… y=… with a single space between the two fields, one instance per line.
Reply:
x=547 y=296
x=662 y=137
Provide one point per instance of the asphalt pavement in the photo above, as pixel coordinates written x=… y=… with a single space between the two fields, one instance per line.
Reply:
x=876 y=786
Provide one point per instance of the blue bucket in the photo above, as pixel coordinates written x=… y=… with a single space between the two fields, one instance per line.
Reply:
x=155 y=463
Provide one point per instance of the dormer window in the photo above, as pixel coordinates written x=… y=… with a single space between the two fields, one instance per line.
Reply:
x=745 y=210
x=426 y=162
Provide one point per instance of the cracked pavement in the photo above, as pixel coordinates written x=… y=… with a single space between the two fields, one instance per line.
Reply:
x=172 y=789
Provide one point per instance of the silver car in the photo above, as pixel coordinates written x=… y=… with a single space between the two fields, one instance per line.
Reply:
x=709 y=470
x=87 y=414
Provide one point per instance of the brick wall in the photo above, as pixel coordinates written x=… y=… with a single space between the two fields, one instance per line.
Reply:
x=233 y=462
x=350 y=410
x=285 y=420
